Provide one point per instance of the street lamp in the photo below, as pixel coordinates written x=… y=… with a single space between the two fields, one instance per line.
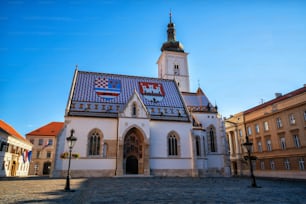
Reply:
x=71 y=140
x=248 y=146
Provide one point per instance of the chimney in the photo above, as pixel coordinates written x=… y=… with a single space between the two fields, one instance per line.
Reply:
x=277 y=95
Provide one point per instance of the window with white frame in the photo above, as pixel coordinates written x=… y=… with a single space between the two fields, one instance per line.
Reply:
x=134 y=109
x=50 y=142
x=262 y=165
x=296 y=141
x=272 y=164
x=259 y=146
x=249 y=131
x=240 y=132
x=283 y=143
x=266 y=126
x=257 y=128
x=287 y=164
x=301 y=164
x=40 y=141
x=279 y=123
x=269 y=145
x=291 y=119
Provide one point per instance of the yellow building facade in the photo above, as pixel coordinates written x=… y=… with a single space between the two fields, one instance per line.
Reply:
x=277 y=130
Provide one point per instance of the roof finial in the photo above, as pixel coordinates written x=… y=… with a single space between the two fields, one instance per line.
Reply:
x=170 y=14
x=76 y=66
x=199 y=83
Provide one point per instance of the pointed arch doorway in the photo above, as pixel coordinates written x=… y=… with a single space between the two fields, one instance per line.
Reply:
x=135 y=152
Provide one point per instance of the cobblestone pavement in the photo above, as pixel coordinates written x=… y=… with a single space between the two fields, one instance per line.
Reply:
x=151 y=190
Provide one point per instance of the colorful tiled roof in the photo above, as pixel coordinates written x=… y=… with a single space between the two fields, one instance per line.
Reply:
x=51 y=129
x=11 y=131
x=198 y=102
x=105 y=95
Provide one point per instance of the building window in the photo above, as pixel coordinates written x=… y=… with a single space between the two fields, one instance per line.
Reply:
x=240 y=132
x=3 y=165
x=283 y=143
x=105 y=150
x=40 y=142
x=259 y=145
x=287 y=164
x=269 y=145
x=212 y=140
x=301 y=164
x=304 y=115
x=249 y=131
x=279 y=123
x=172 y=145
x=272 y=164
x=262 y=165
x=48 y=154
x=37 y=154
x=50 y=142
x=32 y=141
x=134 y=109
x=94 y=143
x=257 y=128
x=296 y=141
x=176 y=69
x=292 y=119
x=266 y=126
x=198 y=144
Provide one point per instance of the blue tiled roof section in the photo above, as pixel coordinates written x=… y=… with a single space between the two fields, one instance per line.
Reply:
x=85 y=101
x=195 y=100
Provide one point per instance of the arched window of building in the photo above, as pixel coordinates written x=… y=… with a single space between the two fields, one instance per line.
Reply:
x=94 y=143
x=173 y=144
x=176 y=69
x=134 y=109
x=212 y=139
x=198 y=146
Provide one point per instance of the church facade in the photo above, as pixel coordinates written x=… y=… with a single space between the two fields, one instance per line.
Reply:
x=140 y=125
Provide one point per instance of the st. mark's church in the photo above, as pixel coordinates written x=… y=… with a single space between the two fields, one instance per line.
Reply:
x=140 y=125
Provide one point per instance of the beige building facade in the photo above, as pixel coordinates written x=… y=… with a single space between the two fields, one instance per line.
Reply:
x=277 y=130
x=44 y=141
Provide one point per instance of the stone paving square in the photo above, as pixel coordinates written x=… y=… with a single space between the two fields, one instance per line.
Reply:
x=151 y=190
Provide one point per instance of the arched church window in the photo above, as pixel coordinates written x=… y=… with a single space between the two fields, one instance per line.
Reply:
x=173 y=145
x=212 y=140
x=198 y=146
x=94 y=143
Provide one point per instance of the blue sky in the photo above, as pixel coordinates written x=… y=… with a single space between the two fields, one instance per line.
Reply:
x=240 y=52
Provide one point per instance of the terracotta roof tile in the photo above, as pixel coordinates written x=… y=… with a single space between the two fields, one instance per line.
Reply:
x=10 y=130
x=51 y=129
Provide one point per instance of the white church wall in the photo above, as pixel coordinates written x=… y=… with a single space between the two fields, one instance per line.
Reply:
x=159 y=131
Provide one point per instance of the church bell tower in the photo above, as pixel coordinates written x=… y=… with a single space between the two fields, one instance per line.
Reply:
x=172 y=63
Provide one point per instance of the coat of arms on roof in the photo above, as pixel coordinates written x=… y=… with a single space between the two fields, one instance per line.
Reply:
x=152 y=91
x=107 y=88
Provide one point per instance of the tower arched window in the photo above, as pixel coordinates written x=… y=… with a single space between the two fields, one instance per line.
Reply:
x=173 y=144
x=176 y=69
x=94 y=143
x=212 y=140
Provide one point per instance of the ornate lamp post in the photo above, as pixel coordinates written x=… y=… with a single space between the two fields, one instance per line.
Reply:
x=248 y=146
x=71 y=140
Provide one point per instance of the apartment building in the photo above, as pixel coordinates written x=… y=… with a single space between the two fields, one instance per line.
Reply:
x=44 y=148
x=277 y=130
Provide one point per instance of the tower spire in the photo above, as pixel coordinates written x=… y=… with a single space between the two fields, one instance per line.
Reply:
x=172 y=44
